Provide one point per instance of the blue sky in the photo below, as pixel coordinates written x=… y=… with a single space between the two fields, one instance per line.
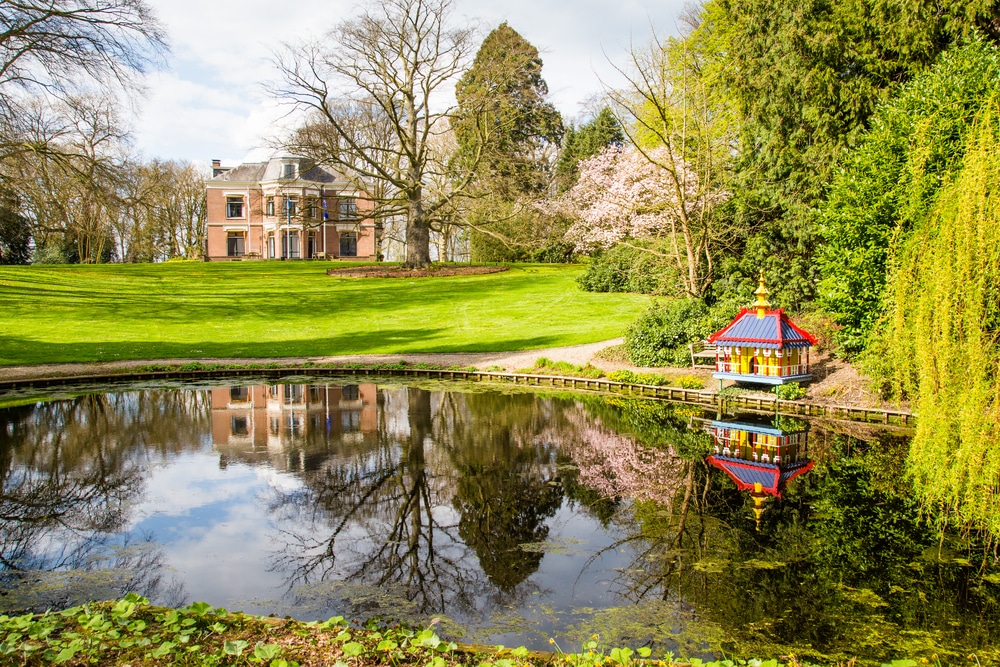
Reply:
x=208 y=103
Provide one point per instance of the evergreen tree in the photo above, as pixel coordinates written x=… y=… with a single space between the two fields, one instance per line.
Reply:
x=520 y=125
x=599 y=132
x=888 y=185
x=15 y=231
x=805 y=79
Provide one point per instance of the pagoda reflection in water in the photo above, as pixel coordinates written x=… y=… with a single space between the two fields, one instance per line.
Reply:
x=761 y=456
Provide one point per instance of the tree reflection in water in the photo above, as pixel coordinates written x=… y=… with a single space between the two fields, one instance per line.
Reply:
x=399 y=500
x=379 y=517
x=70 y=471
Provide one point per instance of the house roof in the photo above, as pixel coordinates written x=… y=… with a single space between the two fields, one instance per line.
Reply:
x=772 y=478
x=766 y=428
x=774 y=331
x=272 y=170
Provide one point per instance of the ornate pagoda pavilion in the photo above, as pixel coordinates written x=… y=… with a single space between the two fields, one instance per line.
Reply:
x=761 y=457
x=762 y=345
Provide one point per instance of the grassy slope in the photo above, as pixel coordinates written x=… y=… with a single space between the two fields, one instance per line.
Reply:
x=272 y=309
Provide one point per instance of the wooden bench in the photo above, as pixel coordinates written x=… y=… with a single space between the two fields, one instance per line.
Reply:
x=701 y=349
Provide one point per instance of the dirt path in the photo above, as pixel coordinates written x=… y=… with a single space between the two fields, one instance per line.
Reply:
x=508 y=361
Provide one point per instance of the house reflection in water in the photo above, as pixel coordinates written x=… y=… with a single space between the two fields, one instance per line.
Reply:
x=253 y=422
x=761 y=456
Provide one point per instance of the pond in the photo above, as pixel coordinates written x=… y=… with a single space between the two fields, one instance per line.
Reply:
x=509 y=516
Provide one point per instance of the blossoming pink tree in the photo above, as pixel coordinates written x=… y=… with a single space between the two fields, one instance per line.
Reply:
x=625 y=194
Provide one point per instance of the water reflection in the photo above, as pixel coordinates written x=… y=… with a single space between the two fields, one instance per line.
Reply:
x=761 y=456
x=517 y=516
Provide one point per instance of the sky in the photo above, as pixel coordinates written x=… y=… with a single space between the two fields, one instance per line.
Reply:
x=208 y=102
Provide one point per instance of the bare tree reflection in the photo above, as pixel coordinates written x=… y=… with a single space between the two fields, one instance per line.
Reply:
x=69 y=472
x=381 y=517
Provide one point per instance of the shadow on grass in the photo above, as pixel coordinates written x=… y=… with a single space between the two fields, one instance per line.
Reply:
x=22 y=351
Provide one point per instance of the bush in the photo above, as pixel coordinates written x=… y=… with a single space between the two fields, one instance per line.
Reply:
x=556 y=252
x=690 y=382
x=625 y=268
x=661 y=335
x=631 y=377
x=545 y=366
x=790 y=392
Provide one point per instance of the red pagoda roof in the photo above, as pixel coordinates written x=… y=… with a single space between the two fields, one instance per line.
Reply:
x=771 y=477
x=774 y=331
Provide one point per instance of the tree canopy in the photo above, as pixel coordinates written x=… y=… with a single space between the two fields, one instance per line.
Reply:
x=889 y=183
x=503 y=113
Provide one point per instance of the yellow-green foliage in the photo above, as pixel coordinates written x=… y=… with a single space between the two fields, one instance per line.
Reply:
x=941 y=336
x=545 y=366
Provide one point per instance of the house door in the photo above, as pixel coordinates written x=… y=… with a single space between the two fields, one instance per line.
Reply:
x=270 y=246
x=348 y=244
x=311 y=249
x=293 y=245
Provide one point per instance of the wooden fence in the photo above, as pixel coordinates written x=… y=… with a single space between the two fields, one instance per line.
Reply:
x=692 y=396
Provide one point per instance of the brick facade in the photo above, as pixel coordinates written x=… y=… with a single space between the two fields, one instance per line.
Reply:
x=287 y=208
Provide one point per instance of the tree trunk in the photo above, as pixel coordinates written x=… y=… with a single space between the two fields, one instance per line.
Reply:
x=418 y=235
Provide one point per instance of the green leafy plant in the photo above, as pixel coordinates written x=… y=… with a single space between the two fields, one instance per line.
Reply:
x=689 y=382
x=545 y=366
x=631 y=377
x=791 y=391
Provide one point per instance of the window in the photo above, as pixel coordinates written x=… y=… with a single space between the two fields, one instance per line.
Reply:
x=348 y=244
x=234 y=207
x=293 y=393
x=347 y=209
x=290 y=205
x=270 y=246
x=311 y=208
x=270 y=207
x=350 y=421
x=238 y=426
x=239 y=394
x=288 y=171
x=235 y=244
x=293 y=245
x=349 y=392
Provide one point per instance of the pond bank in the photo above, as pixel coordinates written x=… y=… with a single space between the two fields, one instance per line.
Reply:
x=756 y=401
x=133 y=632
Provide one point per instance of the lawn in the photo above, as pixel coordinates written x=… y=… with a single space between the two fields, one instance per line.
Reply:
x=55 y=314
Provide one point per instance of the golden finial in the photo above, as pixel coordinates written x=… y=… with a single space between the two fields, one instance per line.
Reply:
x=758 y=502
x=762 y=304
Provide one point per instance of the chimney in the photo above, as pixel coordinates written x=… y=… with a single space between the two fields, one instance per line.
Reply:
x=217 y=168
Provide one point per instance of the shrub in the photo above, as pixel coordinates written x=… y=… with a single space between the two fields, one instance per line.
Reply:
x=690 y=382
x=661 y=335
x=790 y=392
x=546 y=366
x=629 y=268
x=631 y=377
x=556 y=252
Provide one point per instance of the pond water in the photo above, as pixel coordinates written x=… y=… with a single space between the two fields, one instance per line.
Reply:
x=510 y=516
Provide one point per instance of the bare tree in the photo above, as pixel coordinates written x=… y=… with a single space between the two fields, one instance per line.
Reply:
x=376 y=91
x=669 y=112
x=49 y=43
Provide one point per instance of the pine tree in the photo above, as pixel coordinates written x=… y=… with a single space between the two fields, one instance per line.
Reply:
x=520 y=124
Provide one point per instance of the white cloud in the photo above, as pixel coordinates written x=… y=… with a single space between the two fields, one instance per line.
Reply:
x=211 y=103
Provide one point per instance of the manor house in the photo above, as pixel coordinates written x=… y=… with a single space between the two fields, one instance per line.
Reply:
x=287 y=208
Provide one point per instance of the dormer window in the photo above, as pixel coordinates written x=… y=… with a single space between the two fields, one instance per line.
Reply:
x=288 y=171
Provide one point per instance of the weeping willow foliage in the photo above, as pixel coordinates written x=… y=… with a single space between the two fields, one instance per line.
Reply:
x=941 y=336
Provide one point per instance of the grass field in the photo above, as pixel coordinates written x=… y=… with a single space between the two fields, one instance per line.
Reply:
x=52 y=314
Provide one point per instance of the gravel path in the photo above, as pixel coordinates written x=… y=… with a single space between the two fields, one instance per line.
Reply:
x=509 y=361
